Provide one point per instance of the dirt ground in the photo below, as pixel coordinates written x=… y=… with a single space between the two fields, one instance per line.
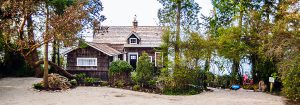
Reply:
x=19 y=91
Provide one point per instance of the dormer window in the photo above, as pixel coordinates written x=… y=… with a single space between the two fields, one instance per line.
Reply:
x=132 y=40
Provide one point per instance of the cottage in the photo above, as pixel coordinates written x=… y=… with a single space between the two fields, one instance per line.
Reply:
x=115 y=43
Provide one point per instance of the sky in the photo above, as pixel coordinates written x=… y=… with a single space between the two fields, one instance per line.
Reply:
x=121 y=12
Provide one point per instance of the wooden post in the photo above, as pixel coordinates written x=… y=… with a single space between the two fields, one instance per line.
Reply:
x=271 y=80
x=271 y=87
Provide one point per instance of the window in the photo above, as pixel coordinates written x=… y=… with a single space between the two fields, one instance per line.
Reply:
x=150 y=58
x=132 y=57
x=132 y=40
x=86 y=61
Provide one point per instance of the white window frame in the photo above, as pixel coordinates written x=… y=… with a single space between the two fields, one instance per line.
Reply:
x=77 y=63
x=131 y=42
x=137 y=56
x=155 y=58
x=150 y=58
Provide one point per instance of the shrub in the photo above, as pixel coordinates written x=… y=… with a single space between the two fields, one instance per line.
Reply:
x=80 y=76
x=290 y=71
x=38 y=86
x=89 y=80
x=120 y=83
x=104 y=83
x=291 y=83
x=136 y=87
x=183 y=77
x=120 y=66
x=144 y=70
x=181 y=91
x=73 y=82
x=119 y=70
x=134 y=77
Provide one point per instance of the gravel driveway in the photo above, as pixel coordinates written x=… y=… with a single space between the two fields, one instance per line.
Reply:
x=19 y=91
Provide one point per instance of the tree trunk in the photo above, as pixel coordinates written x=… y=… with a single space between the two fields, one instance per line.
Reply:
x=206 y=68
x=176 y=47
x=235 y=71
x=58 y=54
x=53 y=58
x=45 y=78
x=57 y=69
x=33 y=56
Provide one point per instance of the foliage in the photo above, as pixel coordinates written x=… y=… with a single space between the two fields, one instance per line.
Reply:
x=120 y=66
x=15 y=65
x=164 y=80
x=136 y=87
x=222 y=81
x=104 y=83
x=134 y=77
x=290 y=69
x=120 y=83
x=189 y=10
x=152 y=82
x=179 y=91
x=73 y=82
x=80 y=76
x=119 y=70
x=82 y=44
x=38 y=86
x=144 y=70
x=89 y=80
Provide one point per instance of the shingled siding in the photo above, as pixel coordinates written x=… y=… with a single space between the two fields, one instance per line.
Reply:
x=99 y=71
x=149 y=50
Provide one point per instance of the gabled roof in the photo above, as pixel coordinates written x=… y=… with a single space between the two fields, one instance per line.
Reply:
x=150 y=36
x=135 y=34
x=104 y=48
x=100 y=47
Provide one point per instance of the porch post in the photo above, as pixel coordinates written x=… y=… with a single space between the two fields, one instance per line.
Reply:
x=124 y=56
x=115 y=57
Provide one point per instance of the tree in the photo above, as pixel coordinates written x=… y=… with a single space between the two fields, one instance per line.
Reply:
x=231 y=45
x=198 y=48
x=178 y=15
x=144 y=70
x=64 y=26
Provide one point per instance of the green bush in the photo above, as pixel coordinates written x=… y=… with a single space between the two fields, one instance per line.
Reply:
x=291 y=83
x=89 y=80
x=80 y=76
x=222 y=81
x=181 y=91
x=38 y=86
x=120 y=83
x=152 y=82
x=184 y=77
x=73 y=82
x=134 y=77
x=136 y=87
x=144 y=70
x=104 y=83
x=120 y=66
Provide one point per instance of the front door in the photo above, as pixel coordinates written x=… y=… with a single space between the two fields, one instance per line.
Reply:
x=133 y=59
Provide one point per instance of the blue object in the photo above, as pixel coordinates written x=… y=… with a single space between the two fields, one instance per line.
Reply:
x=235 y=87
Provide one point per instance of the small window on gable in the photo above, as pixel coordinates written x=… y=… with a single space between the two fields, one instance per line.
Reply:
x=132 y=40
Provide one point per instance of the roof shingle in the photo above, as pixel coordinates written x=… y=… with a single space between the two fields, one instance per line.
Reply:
x=150 y=36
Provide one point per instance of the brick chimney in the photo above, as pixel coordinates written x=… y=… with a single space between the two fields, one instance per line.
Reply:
x=135 y=24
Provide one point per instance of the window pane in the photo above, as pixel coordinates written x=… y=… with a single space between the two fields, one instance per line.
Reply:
x=86 y=61
x=134 y=40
